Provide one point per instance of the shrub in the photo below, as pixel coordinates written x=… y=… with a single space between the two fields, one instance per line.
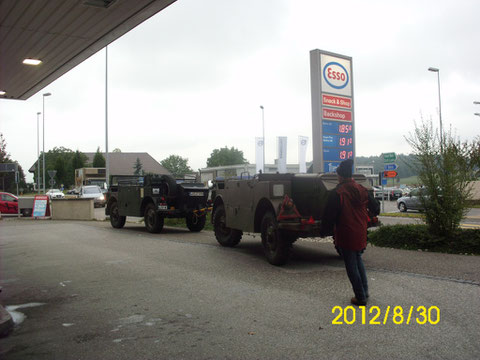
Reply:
x=415 y=237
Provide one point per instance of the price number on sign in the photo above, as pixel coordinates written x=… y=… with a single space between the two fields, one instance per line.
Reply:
x=345 y=128
x=345 y=141
x=346 y=154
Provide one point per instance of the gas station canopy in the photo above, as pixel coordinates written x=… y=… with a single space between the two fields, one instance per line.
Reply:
x=61 y=34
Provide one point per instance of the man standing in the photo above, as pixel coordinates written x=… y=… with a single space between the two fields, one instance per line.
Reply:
x=346 y=217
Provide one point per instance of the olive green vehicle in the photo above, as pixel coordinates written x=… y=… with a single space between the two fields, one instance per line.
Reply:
x=282 y=207
x=156 y=197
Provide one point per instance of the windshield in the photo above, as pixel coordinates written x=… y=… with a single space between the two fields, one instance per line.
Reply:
x=91 y=190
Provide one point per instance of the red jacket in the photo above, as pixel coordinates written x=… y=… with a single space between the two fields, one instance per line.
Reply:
x=346 y=211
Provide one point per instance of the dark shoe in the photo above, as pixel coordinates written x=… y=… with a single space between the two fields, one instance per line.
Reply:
x=357 y=302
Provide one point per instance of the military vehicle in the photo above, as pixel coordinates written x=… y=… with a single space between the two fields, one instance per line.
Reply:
x=282 y=207
x=156 y=197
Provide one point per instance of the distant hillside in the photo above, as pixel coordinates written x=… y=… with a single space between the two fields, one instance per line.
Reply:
x=404 y=163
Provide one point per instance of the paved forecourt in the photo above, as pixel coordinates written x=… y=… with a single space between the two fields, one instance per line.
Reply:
x=122 y=294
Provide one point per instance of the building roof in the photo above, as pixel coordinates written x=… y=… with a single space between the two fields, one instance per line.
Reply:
x=122 y=163
x=61 y=33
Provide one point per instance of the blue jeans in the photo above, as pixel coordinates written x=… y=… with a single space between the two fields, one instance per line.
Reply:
x=356 y=272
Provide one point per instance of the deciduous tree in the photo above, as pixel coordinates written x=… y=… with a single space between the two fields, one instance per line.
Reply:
x=444 y=166
x=177 y=165
x=226 y=156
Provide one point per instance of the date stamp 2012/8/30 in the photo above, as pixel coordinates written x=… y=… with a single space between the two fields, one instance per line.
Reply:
x=396 y=315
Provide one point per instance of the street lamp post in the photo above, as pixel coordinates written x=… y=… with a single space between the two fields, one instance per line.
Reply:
x=43 y=157
x=107 y=160
x=263 y=130
x=476 y=103
x=432 y=69
x=38 y=154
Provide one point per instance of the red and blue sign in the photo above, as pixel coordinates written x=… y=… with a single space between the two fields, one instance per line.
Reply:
x=333 y=110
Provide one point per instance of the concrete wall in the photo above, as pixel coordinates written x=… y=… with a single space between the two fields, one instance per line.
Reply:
x=73 y=209
x=475 y=190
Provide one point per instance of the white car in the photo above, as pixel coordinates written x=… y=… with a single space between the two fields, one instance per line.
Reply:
x=55 y=194
x=93 y=192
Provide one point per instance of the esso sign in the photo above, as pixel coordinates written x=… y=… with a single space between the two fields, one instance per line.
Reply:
x=335 y=75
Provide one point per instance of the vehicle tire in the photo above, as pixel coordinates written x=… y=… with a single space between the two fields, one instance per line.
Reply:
x=402 y=207
x=275 y=246
x=153 y=221
x=170 y=186
x=195 y=223
x=225 y=236
x=27 y=212
x=116 y=220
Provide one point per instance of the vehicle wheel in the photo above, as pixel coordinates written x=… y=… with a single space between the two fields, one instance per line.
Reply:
x=275 y=247
x=402 y=207
x=153 y=221
x=27 y=212
x=195 y=223
x=224 y=235
x=116 y=220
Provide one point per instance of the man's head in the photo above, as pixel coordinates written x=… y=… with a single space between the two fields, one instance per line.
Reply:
x=344 y=170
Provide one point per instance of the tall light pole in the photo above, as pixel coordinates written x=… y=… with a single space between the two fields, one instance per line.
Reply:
x=107 y=160
x=38 y=154
x=432 y=69
x=44 y=95
x=476 y=103
x=263 y=130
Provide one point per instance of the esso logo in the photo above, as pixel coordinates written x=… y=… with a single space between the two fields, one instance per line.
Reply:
x=335 y=75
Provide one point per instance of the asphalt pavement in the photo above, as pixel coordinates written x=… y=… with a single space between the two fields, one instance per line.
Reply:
x=88 y=291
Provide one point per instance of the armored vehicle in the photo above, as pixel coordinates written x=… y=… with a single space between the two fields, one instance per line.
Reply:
x=282 y=207
x=156 y=197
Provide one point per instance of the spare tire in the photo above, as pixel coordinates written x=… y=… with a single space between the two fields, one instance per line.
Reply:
x=170 y=186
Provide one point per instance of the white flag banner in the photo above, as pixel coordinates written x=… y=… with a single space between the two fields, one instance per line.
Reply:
x=282 y=154
x=302 y=154
x=259 y=144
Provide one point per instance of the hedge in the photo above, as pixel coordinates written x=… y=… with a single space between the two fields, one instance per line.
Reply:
x=415 y=237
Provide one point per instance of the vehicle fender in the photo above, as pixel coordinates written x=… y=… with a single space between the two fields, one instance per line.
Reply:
x=111 y=199
x=216 y=202
x=263 y=206
x=146 y=200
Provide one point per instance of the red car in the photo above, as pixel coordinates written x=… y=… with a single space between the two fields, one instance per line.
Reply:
x=8 y=203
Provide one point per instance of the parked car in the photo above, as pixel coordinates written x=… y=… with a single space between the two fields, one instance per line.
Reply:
x=55 y=194
x=411 y=201
x=73 y=192
x=8 y=203
x=93 y=192
x=395 y=193
x=387 y=193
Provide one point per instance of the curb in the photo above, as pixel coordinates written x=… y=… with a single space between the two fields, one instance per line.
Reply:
x=6 y=322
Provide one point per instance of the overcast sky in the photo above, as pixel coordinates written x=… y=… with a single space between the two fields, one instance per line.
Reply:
x=193 y=77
